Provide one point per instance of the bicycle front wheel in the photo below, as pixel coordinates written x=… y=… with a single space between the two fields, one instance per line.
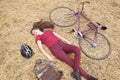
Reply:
x=101 y=48
x=63 y=16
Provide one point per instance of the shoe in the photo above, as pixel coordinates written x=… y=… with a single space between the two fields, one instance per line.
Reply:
x=92 y=78
x=76 y=75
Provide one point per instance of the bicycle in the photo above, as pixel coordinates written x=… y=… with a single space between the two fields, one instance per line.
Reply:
x=92 y=43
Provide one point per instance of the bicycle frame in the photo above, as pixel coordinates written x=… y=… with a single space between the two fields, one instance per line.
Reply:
x=80 y=33
x=95 y=28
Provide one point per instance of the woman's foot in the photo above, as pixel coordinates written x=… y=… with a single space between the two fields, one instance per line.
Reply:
x=76 y=75
x=92 y=78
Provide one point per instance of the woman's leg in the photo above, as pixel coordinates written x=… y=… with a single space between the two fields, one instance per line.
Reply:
x=76 y=50
x=73 y=49
x=60 y=54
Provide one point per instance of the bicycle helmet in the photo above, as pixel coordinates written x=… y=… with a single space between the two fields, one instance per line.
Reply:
x=26 y=51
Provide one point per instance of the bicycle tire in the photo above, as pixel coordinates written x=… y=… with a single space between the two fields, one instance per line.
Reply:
x=101 y=52
x=56 y=17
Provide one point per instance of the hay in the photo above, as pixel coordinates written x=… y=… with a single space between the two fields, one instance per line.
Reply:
x=16 y=20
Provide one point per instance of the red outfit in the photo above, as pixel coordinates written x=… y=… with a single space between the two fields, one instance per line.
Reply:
x=61 y=50
x=48 y=38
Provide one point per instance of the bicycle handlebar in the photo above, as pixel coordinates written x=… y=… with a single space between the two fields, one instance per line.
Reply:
x=83 y=4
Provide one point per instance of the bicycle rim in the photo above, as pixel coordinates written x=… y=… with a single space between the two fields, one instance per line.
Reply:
x=101 y=51
x=57 y=16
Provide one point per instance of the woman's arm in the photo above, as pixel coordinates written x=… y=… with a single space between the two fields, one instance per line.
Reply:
x=61 y=38
x=43 y=51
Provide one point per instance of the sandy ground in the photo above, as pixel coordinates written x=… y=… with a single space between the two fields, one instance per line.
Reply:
x=17 y=18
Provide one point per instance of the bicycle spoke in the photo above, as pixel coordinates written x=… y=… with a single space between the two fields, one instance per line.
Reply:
x=62 y=16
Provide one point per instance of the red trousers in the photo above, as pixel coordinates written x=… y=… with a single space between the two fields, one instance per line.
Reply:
x=61 y=50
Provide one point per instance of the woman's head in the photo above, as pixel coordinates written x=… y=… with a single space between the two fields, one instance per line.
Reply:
x=42 y=25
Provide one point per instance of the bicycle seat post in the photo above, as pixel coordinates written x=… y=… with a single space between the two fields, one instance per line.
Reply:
x=82 y=6
x=83 y=3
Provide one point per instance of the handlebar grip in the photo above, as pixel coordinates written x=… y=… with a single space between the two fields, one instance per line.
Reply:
x=98 y=23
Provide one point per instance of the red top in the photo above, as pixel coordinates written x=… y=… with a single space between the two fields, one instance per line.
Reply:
x=48 y=38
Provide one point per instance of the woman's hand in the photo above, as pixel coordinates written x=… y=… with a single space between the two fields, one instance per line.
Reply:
x=51 y=59
x=44 y=52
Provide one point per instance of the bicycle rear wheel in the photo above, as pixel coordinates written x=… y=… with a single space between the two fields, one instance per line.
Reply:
x=99 y=52
x=62 y=16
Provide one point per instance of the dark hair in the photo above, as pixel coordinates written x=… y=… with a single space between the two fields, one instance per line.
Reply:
x=42 y=25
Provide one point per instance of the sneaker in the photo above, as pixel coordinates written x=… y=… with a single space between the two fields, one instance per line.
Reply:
x=76 y=75
x=92 y=78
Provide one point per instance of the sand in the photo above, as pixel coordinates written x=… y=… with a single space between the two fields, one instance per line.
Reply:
x=17 y=18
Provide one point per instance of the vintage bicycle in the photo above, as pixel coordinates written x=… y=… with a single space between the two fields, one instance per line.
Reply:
x=93 y=44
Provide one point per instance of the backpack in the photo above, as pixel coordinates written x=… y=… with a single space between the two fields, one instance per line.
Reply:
x=44 y=70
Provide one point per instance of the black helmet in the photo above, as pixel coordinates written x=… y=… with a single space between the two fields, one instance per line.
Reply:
x=26 y=51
